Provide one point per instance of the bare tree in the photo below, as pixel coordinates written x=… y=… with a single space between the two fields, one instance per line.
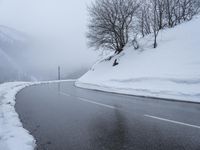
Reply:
x=169 y=10
x=189 y=8
x=111 y=23
x=178 y=11
x=144 y=18
x=158 y=14
x=155 y=20
x=161 y=13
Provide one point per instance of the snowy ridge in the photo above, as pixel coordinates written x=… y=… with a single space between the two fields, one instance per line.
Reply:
x=171 y=71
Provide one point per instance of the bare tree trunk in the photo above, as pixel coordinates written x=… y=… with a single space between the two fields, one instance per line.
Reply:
x=111 y=23
x=155 y=41
x=155 y=22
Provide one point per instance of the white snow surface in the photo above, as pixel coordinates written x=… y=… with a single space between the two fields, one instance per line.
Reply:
x=12 y=134
x=171 y=71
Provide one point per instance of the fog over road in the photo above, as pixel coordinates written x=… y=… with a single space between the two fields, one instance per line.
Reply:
x=63 y=117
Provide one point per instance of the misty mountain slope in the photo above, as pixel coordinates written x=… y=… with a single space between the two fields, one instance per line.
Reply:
x=10 y=71
x=172 y=70
x=12 y=45
x=11 y=33
x=11 y=38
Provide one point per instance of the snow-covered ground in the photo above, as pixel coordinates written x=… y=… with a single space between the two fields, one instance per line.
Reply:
x=12 y=134
x=172 y=70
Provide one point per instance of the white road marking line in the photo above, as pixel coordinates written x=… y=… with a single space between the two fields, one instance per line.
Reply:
x=96 y=103
x=65 y=94
x=90 y=101
x=172 y=121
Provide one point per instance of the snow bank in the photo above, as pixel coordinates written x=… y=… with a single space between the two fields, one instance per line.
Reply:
x=172 y=70
x=12 y=134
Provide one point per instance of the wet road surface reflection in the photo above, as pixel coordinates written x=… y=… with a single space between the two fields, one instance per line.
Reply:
x=64 y=122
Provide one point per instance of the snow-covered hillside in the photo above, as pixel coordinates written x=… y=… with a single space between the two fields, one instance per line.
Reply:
x=172 y=70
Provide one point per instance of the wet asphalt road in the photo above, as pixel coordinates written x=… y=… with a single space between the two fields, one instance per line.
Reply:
x=62 y=117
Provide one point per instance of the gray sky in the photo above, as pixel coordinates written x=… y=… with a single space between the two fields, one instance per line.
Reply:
x=60 y=25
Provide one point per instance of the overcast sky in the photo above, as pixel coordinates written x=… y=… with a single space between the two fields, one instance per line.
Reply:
x=61 y=23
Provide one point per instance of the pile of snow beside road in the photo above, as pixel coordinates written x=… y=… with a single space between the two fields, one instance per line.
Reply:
x=172 y=70
x=12 y=135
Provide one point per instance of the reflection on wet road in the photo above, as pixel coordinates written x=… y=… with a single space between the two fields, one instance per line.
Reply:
x=62 y=117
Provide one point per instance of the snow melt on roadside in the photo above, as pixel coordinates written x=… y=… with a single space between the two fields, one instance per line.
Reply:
x=12 y=135
x=172 y=70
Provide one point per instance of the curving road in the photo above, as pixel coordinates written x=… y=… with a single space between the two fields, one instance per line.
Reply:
x=63 y=117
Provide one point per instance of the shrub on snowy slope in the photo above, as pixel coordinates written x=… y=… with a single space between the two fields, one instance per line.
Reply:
x=111 y=23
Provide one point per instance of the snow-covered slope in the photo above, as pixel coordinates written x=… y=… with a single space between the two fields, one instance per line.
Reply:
x=172 y=70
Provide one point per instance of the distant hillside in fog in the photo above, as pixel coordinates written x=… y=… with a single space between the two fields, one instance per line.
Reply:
x=12 y=45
